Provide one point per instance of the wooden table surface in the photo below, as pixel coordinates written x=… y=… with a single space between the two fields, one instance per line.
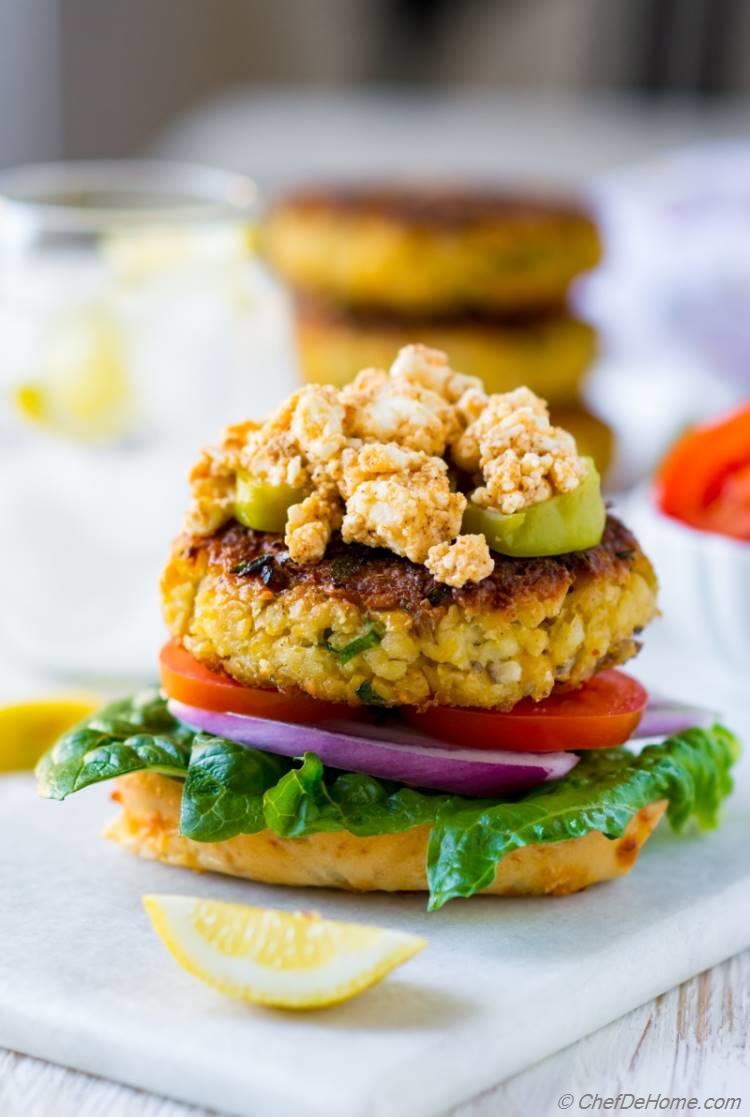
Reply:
x=693 y=1042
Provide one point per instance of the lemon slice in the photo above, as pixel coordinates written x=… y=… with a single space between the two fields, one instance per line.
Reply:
x=136 y=256
x=28 y=729
x=83 y=391
x=280 y=958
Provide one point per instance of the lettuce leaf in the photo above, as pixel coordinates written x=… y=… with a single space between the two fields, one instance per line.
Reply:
x=127 y=736
x=223 y=794
x=230 y=789
x=603 y=792
x=312 y=799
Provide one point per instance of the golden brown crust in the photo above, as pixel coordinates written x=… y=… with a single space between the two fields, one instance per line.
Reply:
x=375 y=579
x=548 y=352
x=417 y=251
x=434 y=207
x=148 y=826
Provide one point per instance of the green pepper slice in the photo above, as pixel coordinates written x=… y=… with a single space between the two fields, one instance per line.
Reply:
x=571 y=521
x=261 y=506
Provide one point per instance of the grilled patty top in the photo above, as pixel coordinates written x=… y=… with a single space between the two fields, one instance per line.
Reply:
x=433 y=207
x=375 y=579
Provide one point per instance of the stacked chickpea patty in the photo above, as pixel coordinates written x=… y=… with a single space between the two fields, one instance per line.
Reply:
x=481 y=274
x=416 y=250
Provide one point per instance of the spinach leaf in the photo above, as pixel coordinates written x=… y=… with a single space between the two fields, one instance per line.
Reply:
x=126 y=736
x=223 y=793
x=313 y=799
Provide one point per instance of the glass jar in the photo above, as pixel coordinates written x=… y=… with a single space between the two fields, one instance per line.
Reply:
x=134 y=324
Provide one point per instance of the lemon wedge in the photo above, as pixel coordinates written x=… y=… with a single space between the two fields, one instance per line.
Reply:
x=285 y=959
x=83 y=390
x=28 y=729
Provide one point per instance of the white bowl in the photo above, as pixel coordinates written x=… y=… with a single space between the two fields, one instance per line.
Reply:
x=704 y=584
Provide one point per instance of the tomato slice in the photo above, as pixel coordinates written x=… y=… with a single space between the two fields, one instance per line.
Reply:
x=604 y=713
x=186 y=680
x=703 y=480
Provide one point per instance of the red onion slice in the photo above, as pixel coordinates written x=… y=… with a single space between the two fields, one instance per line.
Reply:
x=418 y=761
x=663 y=717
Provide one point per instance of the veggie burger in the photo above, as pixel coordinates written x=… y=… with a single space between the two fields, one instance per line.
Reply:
x=397 y=611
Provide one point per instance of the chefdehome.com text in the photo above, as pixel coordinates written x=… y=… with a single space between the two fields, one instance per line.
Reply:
x=660 y=1103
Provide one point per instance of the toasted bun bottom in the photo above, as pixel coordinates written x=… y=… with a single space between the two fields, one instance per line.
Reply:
x=148 y=826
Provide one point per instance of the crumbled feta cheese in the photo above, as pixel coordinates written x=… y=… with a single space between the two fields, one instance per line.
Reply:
x=380 y=409
x=399 y=499
x=271 y=452
x=372 y=459
x=317 y=423
x=309 y=525
x=212 y=488
x=467 y=559
x=417 y=364
x=523 y=459
x=306 y=430
x=212 y=481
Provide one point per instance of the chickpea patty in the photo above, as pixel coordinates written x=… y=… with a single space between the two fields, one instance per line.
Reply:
x=236 y=601
x=430 y=250
x=549 y=353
